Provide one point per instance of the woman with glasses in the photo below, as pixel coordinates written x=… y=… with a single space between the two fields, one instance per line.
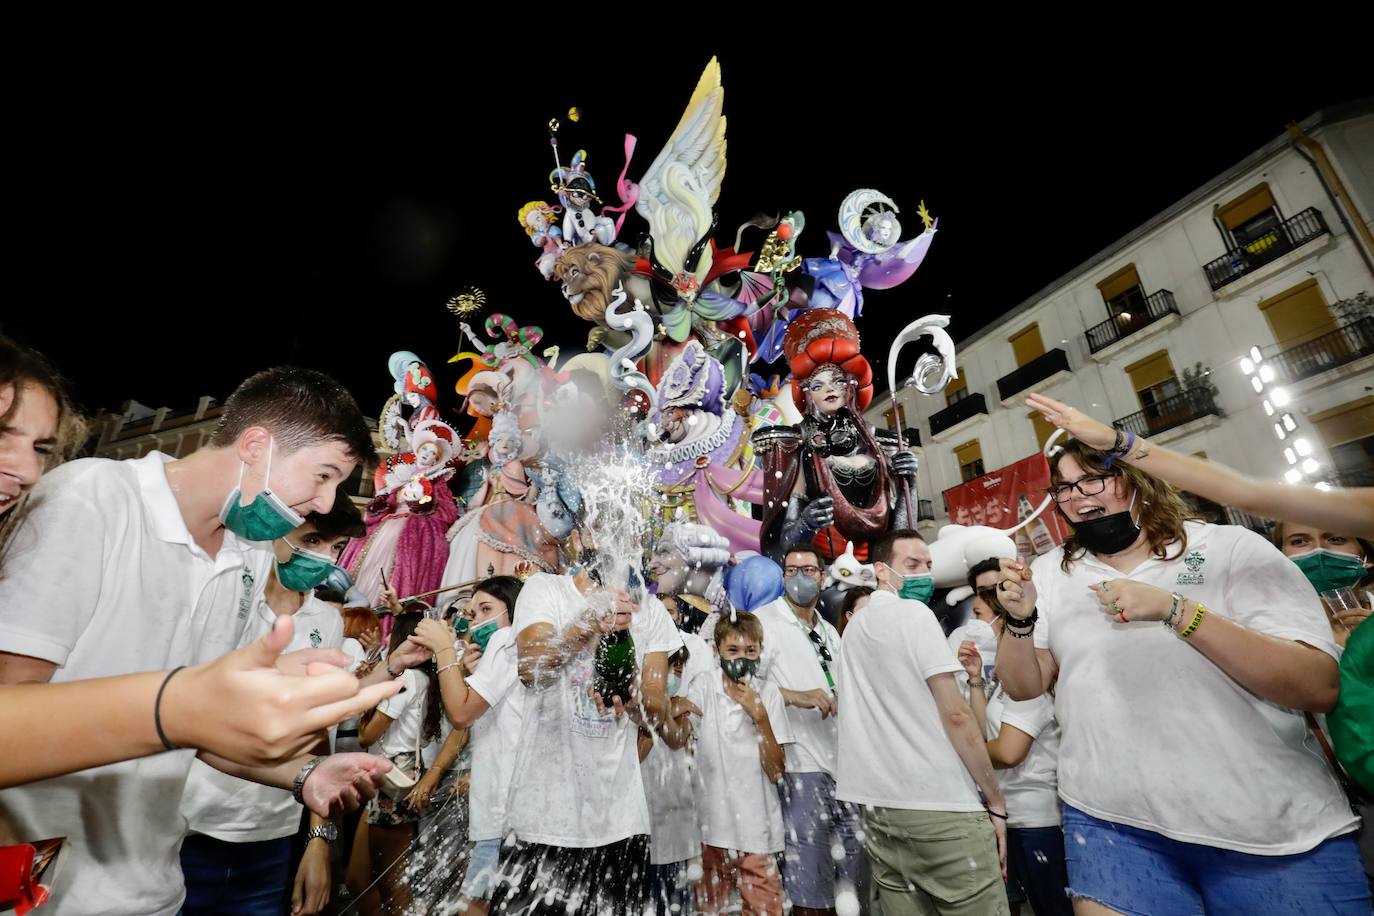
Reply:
x=1186 y=655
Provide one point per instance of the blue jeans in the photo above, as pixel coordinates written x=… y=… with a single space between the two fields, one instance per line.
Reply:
x=814 y=824
x=1035 y=855
x=235 y=879
x=1142 y=873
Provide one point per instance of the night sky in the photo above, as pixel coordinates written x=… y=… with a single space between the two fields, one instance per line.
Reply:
x=184 y=229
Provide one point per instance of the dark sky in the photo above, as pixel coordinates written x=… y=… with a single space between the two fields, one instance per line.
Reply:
x=184 y=228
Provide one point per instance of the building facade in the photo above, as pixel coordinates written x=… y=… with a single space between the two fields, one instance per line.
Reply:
x=1159 y=332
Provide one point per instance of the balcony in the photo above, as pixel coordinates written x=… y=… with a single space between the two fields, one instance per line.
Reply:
x=1341 y=346
x=1158 y=306
x=957 y=413
x=1043 y=367
x=1289 y=235
x=1169 y=413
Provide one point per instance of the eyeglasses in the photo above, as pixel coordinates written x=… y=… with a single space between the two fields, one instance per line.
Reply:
x=811 y=572
x=1086 y=486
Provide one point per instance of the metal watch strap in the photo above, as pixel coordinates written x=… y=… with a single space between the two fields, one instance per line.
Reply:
x=323 y=832
x=298 y=786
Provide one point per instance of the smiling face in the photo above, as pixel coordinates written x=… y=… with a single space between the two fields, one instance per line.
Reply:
x=1115 y=496
x=668 y=569
x=27 y=438
x=738 y=645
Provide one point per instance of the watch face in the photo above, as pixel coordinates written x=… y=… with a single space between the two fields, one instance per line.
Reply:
x=330 y=832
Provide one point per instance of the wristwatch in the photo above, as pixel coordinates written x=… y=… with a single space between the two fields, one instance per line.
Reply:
x=329 y=832
x=298 y=786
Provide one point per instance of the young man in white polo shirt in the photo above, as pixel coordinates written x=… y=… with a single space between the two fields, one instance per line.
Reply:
x=911 y=753
x=238 y=853
x=577 y=809
x=149 y=565
x=800 y=649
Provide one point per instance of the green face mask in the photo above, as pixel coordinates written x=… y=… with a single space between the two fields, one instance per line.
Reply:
x=482 y=634
x=305 y=570
x=266 y=518
x=919 y=587
x=1329 y=570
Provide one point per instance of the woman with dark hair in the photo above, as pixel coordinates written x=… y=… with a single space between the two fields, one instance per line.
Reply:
x=481 y=689
x=854 y=600
x=1186 y=655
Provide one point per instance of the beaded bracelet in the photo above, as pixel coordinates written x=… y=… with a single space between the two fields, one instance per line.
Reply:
x=444 y=668
x=1178 y=599
x=1197 y=619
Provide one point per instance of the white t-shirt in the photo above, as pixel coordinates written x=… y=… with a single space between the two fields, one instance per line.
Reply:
x=345 y=735
x=576 y=781
x=1029 y=787
x=1156 y=736
x=790 y=661
x=495 y=736
x=235 y=810
x=701 y=657
x=894 y=752
x=406 y=709
x=674 y=833
x=103 y=578
x=737 y=805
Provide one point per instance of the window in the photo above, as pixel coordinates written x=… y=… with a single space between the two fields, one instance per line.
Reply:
x=1252 y=219
x=1026 y=345
x=895 y=421
x=1298 y=315
x=1347 y=431
x=1155 y=383
x=957 y=389
x=1123 y=294
x=969 y=457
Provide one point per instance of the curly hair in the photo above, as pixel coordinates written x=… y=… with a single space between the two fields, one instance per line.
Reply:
x=1162 y=511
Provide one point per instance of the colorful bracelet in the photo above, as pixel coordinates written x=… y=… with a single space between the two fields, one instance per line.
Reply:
x=1197 y=619
x=1178 y=599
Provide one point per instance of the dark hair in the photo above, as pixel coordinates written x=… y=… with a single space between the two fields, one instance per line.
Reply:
x=881 y=551
x=805 y=548
x=503 y=588
x=330 y=595
x=679 y=657
x=342 y=520
x=851 y=598
x=300 y=407
x=401 y=630
x=1161 y=508
x=991 y=564
x=745 y=624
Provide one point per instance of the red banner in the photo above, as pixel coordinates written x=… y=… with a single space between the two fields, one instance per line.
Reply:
x=1005 y=497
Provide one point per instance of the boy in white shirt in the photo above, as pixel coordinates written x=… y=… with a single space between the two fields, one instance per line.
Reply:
x=674 y=833
x=739 y=762
x=239 y=848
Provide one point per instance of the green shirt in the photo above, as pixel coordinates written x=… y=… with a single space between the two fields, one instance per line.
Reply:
x=1352 y=721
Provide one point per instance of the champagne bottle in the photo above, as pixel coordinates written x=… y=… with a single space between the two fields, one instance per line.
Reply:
x=615 y=666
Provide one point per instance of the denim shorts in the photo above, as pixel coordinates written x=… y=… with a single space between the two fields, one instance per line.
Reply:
x=482 y=869
x=1143 y=873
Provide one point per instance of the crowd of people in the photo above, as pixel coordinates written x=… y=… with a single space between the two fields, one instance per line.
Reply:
x=1158 y=716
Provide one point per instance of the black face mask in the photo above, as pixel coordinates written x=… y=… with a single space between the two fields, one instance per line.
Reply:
x=1107 y=534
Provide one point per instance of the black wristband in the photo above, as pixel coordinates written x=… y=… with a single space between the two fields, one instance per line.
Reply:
x=157 y=710
x=1021 y=623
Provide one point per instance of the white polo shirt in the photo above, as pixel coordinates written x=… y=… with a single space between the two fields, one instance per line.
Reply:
x=1158 y=737
x=495 y=736
x=576 y=782
x=1029 y=787
x=236 y=810
x=737 y=806
x=105 y=579
x=791 y=661
x=894 y=752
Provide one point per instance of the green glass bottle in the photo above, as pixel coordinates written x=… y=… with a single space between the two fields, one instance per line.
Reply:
x=615 y=666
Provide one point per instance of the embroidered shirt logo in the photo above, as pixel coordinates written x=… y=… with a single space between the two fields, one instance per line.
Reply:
x=246 y=600
x=1194 y=563
x=315 y=639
